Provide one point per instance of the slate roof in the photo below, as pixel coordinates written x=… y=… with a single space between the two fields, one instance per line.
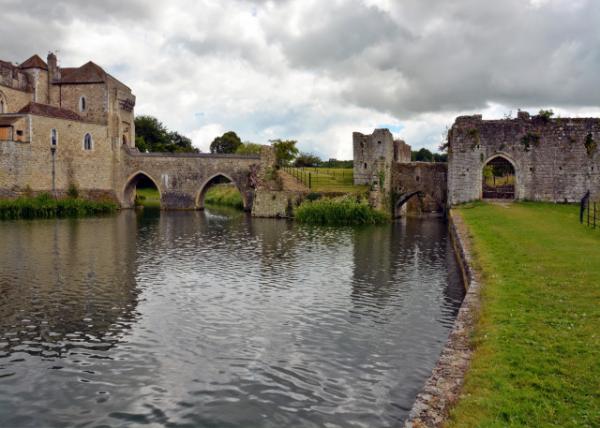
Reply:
x=34 y=62
x=49 y=111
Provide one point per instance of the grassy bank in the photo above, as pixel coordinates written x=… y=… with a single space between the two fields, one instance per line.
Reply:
x=224 y=194
x=537 y=344
x=339 y=211
x=147 y=197
x=335 y=180
x=44 y=206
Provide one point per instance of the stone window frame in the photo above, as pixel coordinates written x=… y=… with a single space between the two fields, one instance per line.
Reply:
x=3 y=103
x=82 y=104
x=85 y=142
x=53 y=137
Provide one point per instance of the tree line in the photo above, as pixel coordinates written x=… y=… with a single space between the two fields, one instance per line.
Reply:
x=153 y=136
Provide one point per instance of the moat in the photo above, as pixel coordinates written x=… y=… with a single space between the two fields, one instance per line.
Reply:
x=218 y=319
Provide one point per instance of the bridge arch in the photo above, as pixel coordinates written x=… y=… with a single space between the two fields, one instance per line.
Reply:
x=215 y=179
x=131 y=186
x=507 y=188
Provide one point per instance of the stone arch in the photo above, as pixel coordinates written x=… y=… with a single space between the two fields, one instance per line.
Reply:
x=199 y=198
x=509 y=161
x=131 y=185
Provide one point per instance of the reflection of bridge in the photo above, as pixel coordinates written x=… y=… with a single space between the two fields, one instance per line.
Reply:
x=183 y=178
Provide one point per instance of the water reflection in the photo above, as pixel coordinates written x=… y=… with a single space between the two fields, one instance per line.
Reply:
x=214 y=319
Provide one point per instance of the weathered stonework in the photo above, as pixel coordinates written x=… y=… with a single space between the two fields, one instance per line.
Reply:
x=551 y=159
x=428 y=180
x=443 y=387
x=369 y=150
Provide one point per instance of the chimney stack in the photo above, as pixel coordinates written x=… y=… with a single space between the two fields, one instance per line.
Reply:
x=53 y=70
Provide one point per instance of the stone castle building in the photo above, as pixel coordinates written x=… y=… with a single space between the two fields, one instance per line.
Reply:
x=61 y=126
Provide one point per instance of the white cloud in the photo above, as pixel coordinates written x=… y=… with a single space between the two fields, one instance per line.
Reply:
x=316 y=71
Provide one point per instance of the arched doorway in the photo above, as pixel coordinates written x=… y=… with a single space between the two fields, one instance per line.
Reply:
x=498 y=179
x=141 y=190
x=220 y=189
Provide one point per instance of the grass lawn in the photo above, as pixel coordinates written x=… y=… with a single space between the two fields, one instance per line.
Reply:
x=328 y=179
x=225 y=195
x=148 y=197
x=537 y=344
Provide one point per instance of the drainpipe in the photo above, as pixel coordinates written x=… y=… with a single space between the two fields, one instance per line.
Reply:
x=53 y=152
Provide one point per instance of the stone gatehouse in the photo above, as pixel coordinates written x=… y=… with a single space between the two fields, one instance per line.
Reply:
x=554 y=160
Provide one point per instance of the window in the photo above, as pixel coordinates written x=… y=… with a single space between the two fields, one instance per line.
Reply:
x=53 y=138
x=1 y=106
x=82 y=104
x=87 y=142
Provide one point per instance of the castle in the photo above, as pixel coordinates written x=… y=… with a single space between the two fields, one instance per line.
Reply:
x=61 y=126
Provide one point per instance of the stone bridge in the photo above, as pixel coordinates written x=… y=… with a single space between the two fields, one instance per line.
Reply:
x=419 y=188
x=183 y=178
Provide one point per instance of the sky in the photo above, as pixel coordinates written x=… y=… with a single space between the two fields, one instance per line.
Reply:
x=315 y=71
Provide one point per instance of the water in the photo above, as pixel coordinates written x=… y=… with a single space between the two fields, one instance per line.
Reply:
x=211 y=320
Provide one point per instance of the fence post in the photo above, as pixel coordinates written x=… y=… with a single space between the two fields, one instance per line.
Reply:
x=310 y=187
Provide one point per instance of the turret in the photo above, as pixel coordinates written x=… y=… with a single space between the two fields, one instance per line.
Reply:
x=53 y=70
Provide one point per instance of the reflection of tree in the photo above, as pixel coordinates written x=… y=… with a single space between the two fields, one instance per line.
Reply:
x=66 y=283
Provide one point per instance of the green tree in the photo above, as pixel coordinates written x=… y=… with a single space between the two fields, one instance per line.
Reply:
x=307 y=159
x=229 y=142
x=152 y=136
x=285 y=151
x=248 y=148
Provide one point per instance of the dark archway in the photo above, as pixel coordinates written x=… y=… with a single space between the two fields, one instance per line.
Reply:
x=141 y=190
x=498 y=179
x=224 y=191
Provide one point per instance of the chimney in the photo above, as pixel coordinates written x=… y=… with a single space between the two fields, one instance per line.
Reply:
x=53 y=70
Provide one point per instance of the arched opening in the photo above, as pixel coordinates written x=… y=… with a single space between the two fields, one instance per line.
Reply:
x=2 y=107
x=124 y=139
x=88 y=143
x=82 y=104
x=220 y=191
x=498 y=179
x=141 y=191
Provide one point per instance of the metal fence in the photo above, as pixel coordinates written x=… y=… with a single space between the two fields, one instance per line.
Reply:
x=589 y=212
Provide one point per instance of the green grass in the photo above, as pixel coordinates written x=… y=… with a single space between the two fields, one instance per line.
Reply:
x=225 y=195
x=147 y=197
x=44 y=206
x=338 y=212
x=537 y=343
x=328 y=179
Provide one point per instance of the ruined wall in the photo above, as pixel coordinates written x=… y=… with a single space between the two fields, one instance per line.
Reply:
x=555 y=160
x=368 y=151
x=429 y=179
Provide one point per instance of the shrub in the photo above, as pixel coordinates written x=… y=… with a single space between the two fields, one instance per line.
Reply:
x=73 y=192
x=530 y=139
x=590 y=144
x=45 y=206
x=339 y=212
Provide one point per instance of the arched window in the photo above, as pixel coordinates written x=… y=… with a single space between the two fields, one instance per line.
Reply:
x=53 y=138
x=2 y=106
x=82 y=104
x=87 y=142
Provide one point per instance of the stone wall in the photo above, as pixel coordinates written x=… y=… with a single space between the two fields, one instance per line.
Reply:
x=555 y=160
x=369 y=150
x=14 y=99
x=428 y=179
x=67 y=96
x=28 y=165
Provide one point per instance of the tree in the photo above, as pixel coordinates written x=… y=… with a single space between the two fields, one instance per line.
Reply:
x=152 y=136
x=423 y=155
x=307 y=159
x=229 y=142
x=285 y=151
x=248 y=148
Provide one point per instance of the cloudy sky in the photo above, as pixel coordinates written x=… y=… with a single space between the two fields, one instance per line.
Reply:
x=315 y=71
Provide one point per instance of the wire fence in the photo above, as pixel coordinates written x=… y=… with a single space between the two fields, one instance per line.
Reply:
x=589 y=212
x=321 y=177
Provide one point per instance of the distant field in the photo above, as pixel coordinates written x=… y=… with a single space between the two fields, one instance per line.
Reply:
x=327 y=179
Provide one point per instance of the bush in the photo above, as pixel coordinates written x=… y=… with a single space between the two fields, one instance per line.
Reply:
x=45 y=206
x=339 y=212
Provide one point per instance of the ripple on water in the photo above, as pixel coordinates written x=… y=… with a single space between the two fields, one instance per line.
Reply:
x=196 y=319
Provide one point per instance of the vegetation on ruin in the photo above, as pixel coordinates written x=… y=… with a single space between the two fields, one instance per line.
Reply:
x=590 y=144
x=546 y=115
x=45 y=206
x=225 y=195
x=152 y=136
x=537 y=347
x=343 y=211
x=531 y=139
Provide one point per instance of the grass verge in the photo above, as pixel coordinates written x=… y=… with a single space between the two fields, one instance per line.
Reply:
x=537 y=343
x=44 y=206
x=339 y=212
x=224 y=194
